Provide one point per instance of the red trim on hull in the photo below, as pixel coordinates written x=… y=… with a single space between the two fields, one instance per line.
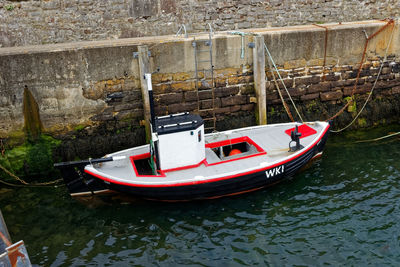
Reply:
x=209 y=180
x=186 y=167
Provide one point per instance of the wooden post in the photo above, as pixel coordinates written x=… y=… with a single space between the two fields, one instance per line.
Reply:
x=144 y=67
x=259 y=79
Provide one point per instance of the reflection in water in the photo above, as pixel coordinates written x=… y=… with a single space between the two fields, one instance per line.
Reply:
x=343 y=210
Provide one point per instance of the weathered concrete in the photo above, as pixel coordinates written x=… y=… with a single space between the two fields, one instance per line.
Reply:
x=88 y=89
x=28 y=22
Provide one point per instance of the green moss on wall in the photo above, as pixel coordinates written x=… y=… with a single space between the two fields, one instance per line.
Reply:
x=31 y=160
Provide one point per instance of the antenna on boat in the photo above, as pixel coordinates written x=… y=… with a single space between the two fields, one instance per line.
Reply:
x=150 y=89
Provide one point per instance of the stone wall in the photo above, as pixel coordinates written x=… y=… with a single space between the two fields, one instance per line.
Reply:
x=89 y=93
x=29 y=22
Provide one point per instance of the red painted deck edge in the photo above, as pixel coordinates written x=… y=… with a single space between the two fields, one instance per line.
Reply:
x=304 y=129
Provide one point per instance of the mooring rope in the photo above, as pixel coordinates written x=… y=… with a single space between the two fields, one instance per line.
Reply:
x=379 y=138
x=373 y=86
x=281 y=96
x=24 y=183
x=284 y=86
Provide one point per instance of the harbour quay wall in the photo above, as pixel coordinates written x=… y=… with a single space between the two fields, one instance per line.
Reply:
x=29 y=22
x=89 y=93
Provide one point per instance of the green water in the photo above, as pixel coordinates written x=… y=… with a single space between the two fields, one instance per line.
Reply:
x=344 y=210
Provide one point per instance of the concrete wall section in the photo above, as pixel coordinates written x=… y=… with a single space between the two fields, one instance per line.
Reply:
x=96 y=84
x=28 y=22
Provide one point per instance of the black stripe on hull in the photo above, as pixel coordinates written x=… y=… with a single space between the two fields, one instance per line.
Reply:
x=220 y=188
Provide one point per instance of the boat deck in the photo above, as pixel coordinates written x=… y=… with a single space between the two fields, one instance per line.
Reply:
x=271 y=146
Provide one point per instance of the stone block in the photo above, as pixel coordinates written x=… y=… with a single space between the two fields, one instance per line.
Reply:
x=227 y=72
x=124 y=114
x=387 y=84
x=130 y=96
x=253 y=99
x=276 y=101
x=247 y=89
x=190 y=96
x=206 y=113
x=172 y=98
x=332 y=77
x=176 y=108
x=328 y=96
x=307 y=80
x=396 y=90
x=293 y=64
x=235 y=80
x=204 y=84
x=121 y=107
x=389 y=76
x=161 y=77
x=206 y=104
x=168 y=6
x=226 y=91
x=349 y=75
x=386 y=92
x=298 y=91
x=233 y=100
x=386 y=70
x=247 y=107
x=184 y=86
x=287 y=81
x=342 y=83
x=181 y=76
x=220 y=82
x=309 y=97
x=205 y=94
x=162 y=88
x=272 y=96
x=347 y=91
x=105 y=116
x=161 y=110
x=320 y=87
x=223 y=110
x=235 y=108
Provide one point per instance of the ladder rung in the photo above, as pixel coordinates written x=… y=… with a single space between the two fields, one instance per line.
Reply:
x=203 y=50
x=204 y=61
x=209 y=119
x=208 y=109
x=209 y=128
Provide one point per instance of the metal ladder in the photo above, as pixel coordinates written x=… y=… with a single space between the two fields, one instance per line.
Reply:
x=205 y=50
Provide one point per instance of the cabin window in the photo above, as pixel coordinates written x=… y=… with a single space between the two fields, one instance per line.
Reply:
x=199 y=136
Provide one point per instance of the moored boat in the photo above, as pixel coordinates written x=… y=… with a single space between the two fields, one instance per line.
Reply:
x=183 y=163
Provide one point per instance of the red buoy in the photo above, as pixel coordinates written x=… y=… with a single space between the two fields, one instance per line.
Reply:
x=234 y=152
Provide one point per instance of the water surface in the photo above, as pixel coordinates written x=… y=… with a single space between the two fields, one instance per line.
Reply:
x=344 y=210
